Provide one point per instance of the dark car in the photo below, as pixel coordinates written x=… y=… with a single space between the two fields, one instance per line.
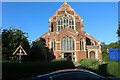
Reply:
x=69 y=74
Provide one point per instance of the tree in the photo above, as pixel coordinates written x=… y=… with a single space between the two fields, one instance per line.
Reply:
x=114 y=45
x=104 y=50
x=118 y=32
x=11 y=39
x=39 y=51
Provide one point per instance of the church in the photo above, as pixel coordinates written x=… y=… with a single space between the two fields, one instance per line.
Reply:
x=67 y=39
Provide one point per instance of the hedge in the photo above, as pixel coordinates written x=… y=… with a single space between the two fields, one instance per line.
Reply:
x=14 y=70
x=90 y=63
x=110 y=69
x=113 y=68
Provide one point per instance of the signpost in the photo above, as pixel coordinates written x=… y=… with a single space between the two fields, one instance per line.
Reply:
x=19 y=51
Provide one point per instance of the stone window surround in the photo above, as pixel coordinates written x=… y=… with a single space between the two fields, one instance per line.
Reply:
x=68 y=21
x=96 y=53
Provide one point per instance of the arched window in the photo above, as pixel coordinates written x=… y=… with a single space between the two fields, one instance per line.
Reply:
x=67 y=43
x=81 y=44
x=65 y=21
x=92 y=54
x=53 y=45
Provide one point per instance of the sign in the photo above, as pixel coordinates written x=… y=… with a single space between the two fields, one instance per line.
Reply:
x=114 y=54
x=20 y=51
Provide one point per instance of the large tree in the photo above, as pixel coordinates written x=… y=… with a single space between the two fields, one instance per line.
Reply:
x=39 y=51
x=11 y=39
x=118 y=32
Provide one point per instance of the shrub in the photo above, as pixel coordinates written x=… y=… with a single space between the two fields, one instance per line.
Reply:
x=105 y=57
x=113 y=68
x=89 y=63
x=110 y=69
x=13 y=59
x=61 y=59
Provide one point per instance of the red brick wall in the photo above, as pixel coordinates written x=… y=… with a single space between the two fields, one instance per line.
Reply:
x=81 y=55
x=76 y=34
x=100 y=56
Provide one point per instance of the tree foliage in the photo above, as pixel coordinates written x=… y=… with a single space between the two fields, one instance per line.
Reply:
x=118 y=32
x=39 y=51
x=11 y=39
x=114 y=45
x=105 y=47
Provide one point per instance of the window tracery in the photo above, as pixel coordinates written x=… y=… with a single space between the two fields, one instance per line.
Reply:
x=65 y=21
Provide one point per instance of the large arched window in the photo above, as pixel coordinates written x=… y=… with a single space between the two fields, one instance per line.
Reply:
x=81 y=44
x=65 y=21
x=53 y=45
x=67 y=43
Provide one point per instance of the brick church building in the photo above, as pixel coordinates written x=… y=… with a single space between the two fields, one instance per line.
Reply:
x=66 y=36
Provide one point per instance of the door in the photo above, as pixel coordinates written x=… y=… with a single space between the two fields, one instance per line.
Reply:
x=68 y=56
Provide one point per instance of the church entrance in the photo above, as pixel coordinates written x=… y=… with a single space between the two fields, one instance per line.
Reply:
x=68 y=56
x=92 y=54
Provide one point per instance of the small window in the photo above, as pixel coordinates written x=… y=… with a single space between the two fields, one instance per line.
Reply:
x=72 y=22
x=53 y=45
x=72 y=27
x=69 y=22
x=58 y=22
x=61 y=27
x=52 y=28
x=81 y=44
x=58 y=28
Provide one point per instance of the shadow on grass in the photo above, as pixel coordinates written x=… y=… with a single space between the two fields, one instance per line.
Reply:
x=102 y=70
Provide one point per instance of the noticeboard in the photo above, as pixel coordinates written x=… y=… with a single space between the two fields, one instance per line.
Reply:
x=114 y=54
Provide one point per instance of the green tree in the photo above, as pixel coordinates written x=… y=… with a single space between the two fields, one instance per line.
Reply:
x=104 y=50
x=39 y=51
x=118 y=32
x=114 y=45
x=105 y=47
x=11 y=39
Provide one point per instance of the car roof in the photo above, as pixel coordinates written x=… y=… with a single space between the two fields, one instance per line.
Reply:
x=67 y=70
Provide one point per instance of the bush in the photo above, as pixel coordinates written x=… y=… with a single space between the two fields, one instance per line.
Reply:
x=89 y=63
x=105 y=57
x=113 y=68
x=13 y=59
x=61 y=59
x=14 y=70
x=110 y=69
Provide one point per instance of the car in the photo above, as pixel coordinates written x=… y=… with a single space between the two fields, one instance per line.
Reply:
x=69 y=74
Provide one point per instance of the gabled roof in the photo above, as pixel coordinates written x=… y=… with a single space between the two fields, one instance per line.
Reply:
x=64 y=7
x=41 y=37
x=91 y=37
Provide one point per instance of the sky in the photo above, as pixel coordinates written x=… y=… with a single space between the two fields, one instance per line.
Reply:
x=100 y=19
